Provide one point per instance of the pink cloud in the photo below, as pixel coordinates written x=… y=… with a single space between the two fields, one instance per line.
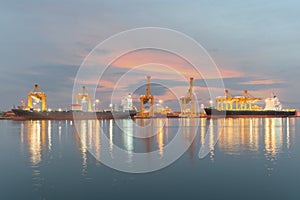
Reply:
x=148 y=56
x=265 y=82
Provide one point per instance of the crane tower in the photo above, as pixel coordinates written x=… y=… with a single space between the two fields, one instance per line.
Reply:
x=84 y=95
x=38 y=94
x=188 y=102
x=145 y=99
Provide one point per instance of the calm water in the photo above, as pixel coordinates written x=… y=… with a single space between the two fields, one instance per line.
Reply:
x=252 y=159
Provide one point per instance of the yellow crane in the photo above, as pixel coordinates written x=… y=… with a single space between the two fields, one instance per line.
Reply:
x=249 y=100
x=38 y=94
x=188 y=99
x=243 y=102
x=229 y=100
x=145 y=99
x=84 y=95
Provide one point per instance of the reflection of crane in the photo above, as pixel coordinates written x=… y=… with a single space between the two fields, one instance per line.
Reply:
x=38 y=94
x=188 y=99
x=145 y=99
x=84 y=95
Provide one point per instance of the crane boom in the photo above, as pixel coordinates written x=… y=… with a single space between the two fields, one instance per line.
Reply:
x=148 y=93
x=191 y=87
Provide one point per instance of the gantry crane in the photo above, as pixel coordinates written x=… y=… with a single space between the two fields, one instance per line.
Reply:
x=248 y=100
x=84 y=95
x=145 y=99
x=241 y=102
x=227 y=99
x=38 y=94
x=188 y=99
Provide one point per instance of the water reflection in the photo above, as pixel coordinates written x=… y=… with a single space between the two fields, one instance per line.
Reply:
x=128 y=143
x=111 y=143
x=49 y=136
x=160 y=137
x=36 y=137
x=153 y=133
x=89 y=138
x=240 y=135
x=268 y=137
x=189 y=131
x=272 y=135
x=83 y=141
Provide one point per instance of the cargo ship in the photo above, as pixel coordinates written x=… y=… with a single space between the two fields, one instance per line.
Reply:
x=23 y=114
x=243 y=106
x=33 y=112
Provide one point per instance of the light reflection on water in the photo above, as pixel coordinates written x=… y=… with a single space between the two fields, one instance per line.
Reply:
x=237 y=136
x=50 y=160
x=270 y=134
x=241 y=137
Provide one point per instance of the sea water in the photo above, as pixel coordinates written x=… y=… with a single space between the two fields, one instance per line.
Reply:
x=255 y=158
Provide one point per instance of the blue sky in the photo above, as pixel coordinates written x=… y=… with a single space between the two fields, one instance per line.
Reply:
x=254 y=43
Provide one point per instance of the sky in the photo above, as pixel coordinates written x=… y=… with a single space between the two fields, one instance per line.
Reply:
x=255 y=45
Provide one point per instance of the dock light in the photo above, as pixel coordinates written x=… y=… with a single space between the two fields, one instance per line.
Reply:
x=59 y=110
x=160 y=101
x=96 y=106
x=38 y=110
x=49 y=110
x=211 y=103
